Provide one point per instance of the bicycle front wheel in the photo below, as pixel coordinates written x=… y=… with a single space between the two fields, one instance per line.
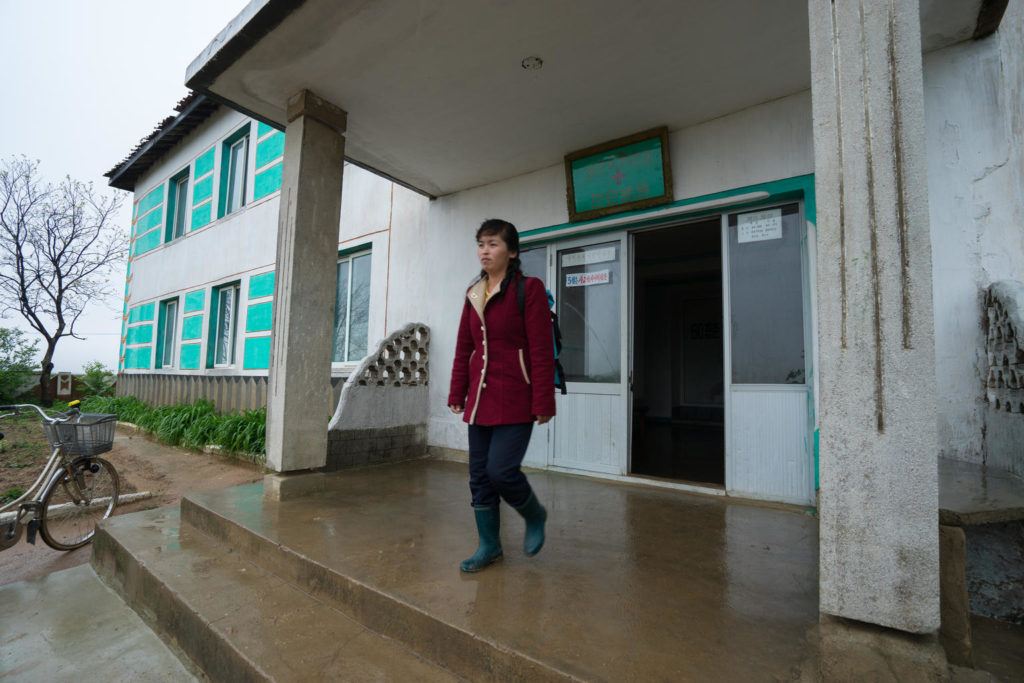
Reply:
x=76 y=500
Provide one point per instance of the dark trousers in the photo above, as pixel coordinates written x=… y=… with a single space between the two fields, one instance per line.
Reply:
x=495 y=454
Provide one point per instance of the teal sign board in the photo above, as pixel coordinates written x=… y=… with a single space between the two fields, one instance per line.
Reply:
x=621 y=175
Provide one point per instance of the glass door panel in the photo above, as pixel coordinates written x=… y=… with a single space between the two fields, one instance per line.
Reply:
x=591 y=433
x=768 y=444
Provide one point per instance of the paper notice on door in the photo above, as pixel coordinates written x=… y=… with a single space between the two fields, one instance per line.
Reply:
x=601 y=277
x=585 y=258
x=757 y=226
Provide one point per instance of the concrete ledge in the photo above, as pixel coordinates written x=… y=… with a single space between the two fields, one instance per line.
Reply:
x=462 y=652
x=855 y=651
x=288 y=485
x=349 y=448
x=233 y=620
x=450 y=454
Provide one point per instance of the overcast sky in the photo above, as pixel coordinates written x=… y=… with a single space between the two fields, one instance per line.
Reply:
x=83 y=82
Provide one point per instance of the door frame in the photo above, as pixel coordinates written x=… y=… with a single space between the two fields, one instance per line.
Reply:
x=807 y=264
x=675 y=225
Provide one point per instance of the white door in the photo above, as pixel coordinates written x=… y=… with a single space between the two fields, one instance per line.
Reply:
x=590 y=278
x=769 y=454
x=536 y=263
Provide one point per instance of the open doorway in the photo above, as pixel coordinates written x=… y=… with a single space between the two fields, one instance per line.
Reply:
x=677 y=373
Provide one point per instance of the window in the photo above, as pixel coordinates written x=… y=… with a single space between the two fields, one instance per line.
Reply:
x=177 y=206
x=225 y=324
x=167 y=333
x=352 y=309
x=766 y=296
x=589 y=312
x=234 y=171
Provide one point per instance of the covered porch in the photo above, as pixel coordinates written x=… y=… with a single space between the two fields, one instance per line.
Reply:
x=635 y=583
x=452 y=99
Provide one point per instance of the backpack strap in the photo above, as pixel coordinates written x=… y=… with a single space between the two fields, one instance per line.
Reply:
x=521 y=295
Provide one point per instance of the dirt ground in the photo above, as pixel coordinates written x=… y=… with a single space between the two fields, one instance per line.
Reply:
x=143 y=465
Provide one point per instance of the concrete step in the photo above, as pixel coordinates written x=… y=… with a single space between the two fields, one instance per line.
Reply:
x=634 y=583
x=68 y=626
x=460 y=650
x=234 y=620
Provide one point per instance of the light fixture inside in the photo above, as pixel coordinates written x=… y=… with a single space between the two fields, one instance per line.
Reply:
x=532 y=63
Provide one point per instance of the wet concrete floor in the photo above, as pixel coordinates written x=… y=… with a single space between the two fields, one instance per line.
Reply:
x=634 y=583
x=68 y=626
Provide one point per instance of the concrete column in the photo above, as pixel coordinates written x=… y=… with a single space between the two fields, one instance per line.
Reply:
x=298 y=396
x=879 y=475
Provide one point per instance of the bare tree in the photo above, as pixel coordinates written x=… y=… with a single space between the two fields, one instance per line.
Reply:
x=57 y=249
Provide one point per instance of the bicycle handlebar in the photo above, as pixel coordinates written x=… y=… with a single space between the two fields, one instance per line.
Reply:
x=60 y=417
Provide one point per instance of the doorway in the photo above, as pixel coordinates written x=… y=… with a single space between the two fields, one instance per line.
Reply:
x=677 y=378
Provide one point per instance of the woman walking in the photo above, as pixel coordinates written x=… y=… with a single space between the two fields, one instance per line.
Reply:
x=503 y=380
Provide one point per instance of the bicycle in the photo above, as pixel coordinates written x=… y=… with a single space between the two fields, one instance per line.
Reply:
x=76 y=489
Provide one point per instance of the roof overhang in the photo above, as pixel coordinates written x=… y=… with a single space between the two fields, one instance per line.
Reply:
x=438 y=97
x=192 y=110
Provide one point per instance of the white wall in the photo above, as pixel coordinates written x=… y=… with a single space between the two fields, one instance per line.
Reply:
x=974 y=110
x=771 y=141
x=244 y=243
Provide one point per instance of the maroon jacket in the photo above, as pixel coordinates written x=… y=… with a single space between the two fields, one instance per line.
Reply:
x=504 y=370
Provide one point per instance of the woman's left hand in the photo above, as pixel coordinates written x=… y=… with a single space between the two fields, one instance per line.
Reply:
x=542 y=419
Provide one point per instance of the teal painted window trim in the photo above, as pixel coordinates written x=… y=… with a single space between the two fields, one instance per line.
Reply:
x=225 y=169
x=257 y=354
x=348 y=251
x=141 y=313
x=147 y=242
x=148 y=222
x=141 y=334
x=153 y=199
x=259 y=317
x=204 y=163
x=202 y=190
x=194 y=301
x=189 y=359
x=262 y=129
x=778 y=190
x=211 y=340
x=268 y=181
x=138 y=358
x=192 y=328
x=173 y=208
x=261 y=285
x=161 y=333
x=269 y=149
x=202 y=215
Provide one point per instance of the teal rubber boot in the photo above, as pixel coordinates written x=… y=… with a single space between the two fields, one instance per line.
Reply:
x=488 y=526
x=535 y=515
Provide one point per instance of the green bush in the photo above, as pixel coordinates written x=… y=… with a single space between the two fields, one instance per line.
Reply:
x=244 y=432
x=127 y=408
x=192 y=425
x=97 y=378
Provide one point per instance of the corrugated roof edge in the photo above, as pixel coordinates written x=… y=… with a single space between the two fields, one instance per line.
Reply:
x=192 y=110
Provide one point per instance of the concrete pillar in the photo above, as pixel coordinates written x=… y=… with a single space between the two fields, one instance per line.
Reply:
x=298 y=407
x=879 y=475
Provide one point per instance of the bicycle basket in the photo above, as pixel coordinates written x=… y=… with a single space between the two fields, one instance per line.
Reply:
x=89 y=434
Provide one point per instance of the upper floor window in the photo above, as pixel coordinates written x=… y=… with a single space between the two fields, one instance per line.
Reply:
x=234 y=171
x=225 y=327
x=352 y=308
x=177 y=208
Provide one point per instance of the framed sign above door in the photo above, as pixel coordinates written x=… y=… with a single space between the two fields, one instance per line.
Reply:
x=626 y=174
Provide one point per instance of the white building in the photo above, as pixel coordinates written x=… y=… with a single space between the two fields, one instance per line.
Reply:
x=200 y=290
x=798 y=314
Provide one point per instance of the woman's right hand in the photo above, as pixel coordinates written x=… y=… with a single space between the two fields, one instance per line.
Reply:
x=456 y=409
